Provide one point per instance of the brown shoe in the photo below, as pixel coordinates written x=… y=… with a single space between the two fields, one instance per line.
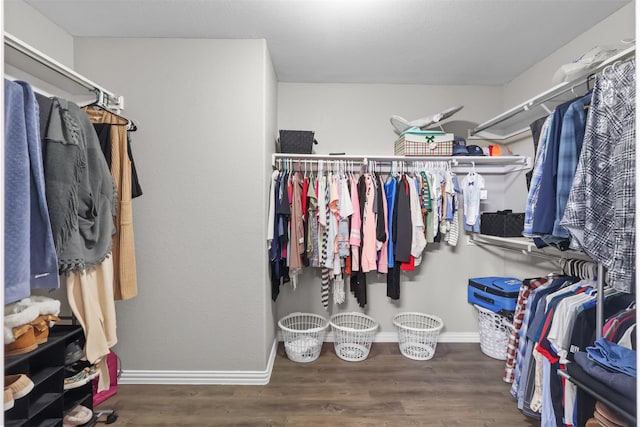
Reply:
x=20 y=385
x=41 y=327
x=25 y=341
x=19 y=337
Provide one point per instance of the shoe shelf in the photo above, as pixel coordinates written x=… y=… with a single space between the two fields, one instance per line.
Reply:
x=48 y=402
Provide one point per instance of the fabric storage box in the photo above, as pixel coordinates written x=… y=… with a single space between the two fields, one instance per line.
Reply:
x=502 y=223
x=424 y=143
x=296 y=141
x=498 y=294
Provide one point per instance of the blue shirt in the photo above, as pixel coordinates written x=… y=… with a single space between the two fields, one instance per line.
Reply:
x=573 y=128
x=534 y=188
x=545 y=213
x=390 y=191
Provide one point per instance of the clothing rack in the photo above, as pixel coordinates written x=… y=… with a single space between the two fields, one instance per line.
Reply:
x=537 y=106
x=486 y=164
x=27 y=54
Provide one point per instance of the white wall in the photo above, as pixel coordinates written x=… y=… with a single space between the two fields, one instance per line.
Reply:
x=30 y=26
x=270 y=111
x=202 y=112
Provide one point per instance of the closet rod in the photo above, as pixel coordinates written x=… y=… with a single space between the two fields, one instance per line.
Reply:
x=15 y=43
x=455 y=160
x=600 y=302
x=552 y=93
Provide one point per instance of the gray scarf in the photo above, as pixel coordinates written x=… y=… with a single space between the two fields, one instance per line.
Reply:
x=79 y=188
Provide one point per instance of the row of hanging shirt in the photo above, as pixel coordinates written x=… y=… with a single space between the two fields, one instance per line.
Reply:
x=348 y=224
x=554 y=326
x=582 y=190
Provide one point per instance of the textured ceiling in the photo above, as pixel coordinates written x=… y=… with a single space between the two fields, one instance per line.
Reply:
x=357 y=41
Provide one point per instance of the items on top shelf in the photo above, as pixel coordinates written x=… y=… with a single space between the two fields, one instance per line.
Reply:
x=513 y=124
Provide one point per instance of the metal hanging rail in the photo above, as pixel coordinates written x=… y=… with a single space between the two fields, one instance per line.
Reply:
x=487 y=164
x=547 y=96
x=107 y=98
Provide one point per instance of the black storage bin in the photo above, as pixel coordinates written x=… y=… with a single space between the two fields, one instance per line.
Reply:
x=502 y=223
x=296 y=141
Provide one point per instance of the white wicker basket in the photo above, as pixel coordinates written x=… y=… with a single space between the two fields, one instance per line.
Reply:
x=303 y=335
x=494 y=333
x=353 y=335
x=418 y=334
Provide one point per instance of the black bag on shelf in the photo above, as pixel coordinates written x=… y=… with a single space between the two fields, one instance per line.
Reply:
x=296 y=141
x=502 y=223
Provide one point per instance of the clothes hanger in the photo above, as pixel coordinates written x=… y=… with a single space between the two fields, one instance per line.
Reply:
x=102 y=103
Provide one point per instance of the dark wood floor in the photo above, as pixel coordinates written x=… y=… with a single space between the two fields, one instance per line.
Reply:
x=460 y=386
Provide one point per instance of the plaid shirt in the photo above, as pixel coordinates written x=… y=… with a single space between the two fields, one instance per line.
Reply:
x=571 y=137
x=512 y=347
x=536 y=178
x=600 y=212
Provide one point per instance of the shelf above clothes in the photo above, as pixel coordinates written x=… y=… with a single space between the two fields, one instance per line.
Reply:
x=513 y=124
x=526 y=246
x=23 y=61
x=460 y=164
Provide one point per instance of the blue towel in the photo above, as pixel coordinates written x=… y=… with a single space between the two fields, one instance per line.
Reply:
x=44 y=261
x=29 y=255
x=16 y=196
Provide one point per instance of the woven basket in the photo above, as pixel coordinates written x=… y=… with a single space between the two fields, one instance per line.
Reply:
x=418 y=334
x=353 y=335
x=303 y=335
x=494 y=333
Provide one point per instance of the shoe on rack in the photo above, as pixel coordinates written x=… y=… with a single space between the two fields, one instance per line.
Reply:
x=19 y=336
x=19 y=384
x=72 y=353
x=77 y=416
x=8 y=399
x=48 y=310
x=75 y=380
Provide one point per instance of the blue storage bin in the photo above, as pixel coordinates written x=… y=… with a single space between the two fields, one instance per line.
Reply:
x=498 y=294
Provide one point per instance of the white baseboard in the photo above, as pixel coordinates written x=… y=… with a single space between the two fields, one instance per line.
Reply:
x=130 y=376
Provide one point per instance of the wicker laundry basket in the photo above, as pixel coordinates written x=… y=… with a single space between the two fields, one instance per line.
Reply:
x=353 y=335
x=417 y=334
x=303 y=335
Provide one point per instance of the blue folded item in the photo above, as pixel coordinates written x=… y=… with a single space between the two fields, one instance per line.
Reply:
x=621 y=383
x=613 y=356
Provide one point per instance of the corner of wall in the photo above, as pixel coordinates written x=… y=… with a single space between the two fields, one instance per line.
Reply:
x=32 y=27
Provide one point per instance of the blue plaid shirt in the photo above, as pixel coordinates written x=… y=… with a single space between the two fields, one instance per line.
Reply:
x=536 y=178
x=573 y=127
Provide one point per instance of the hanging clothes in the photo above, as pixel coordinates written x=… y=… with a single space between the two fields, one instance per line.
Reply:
x=82 y=205
x=29 y=252
x=80 y=190
x=123 y=249
x=600 y=211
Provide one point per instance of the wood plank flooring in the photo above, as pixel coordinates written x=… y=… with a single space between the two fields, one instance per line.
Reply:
x=460 y=386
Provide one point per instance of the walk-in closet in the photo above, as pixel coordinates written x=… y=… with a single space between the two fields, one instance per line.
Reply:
x=319 y=213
